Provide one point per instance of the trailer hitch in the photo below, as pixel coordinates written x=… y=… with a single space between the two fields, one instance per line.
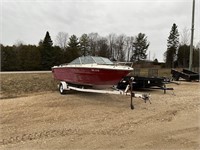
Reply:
x=143 y=96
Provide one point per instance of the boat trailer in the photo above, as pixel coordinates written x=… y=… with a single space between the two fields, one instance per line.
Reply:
x=185 y=74
x=139 y=82
x=64 y=87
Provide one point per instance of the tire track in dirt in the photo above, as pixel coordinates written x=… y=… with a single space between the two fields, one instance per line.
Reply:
x=38 y=135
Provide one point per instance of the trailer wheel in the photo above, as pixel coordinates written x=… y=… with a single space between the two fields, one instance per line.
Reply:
x=61 y=89
x=176 y=77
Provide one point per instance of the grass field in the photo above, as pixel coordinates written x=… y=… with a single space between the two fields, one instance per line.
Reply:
x=15 y=85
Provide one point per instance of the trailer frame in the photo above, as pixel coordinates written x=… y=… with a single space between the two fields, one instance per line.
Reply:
x=185 y=74
x=64 y=87
x=140 y=82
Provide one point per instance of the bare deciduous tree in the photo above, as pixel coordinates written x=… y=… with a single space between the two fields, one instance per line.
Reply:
x=111 y=44
x=128 y=46
x=185 y=36
x=120 y=41
x=93 y=39
x=198 y=45
x=61 y=39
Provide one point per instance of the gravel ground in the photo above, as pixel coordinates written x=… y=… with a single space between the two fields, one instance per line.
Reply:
x=49 y=120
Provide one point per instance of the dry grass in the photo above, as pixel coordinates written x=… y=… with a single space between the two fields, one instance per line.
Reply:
x=14 y=85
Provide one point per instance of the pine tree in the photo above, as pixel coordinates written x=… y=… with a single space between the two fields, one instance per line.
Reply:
x=172 y=46
x=140 y=46
x=73 y=49
x=47 y=52
x=84 y=44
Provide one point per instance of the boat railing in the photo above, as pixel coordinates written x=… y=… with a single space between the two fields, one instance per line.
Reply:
x=130 y=64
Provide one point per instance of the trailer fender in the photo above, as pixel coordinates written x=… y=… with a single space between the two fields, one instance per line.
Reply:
x=63 y=87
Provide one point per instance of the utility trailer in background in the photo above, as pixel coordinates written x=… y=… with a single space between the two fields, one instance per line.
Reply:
x=185 y=74
x=139 y=82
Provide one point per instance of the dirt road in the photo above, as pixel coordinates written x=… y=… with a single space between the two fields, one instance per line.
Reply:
x=99 y=121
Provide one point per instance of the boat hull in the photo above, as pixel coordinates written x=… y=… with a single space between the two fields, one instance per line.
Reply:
x=89 y=76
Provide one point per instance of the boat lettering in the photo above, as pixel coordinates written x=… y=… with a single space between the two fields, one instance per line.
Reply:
x=95 y=70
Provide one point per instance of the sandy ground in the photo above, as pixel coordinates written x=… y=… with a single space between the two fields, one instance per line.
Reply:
x=100 y=121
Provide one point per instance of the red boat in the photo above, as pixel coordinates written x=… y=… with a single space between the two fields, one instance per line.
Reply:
x=92 y=71
x=95 y=72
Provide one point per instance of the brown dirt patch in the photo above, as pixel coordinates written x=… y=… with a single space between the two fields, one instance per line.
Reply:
x=99 y=121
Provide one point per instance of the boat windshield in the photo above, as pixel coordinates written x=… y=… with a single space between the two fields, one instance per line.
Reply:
x=91 y=60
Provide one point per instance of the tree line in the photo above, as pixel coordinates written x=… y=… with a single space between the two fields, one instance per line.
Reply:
x=46 y=54
x=177 y=53
x=115 y=47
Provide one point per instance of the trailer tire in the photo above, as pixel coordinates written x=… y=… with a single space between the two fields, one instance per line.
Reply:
x=61 y=89
x=176 y=77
